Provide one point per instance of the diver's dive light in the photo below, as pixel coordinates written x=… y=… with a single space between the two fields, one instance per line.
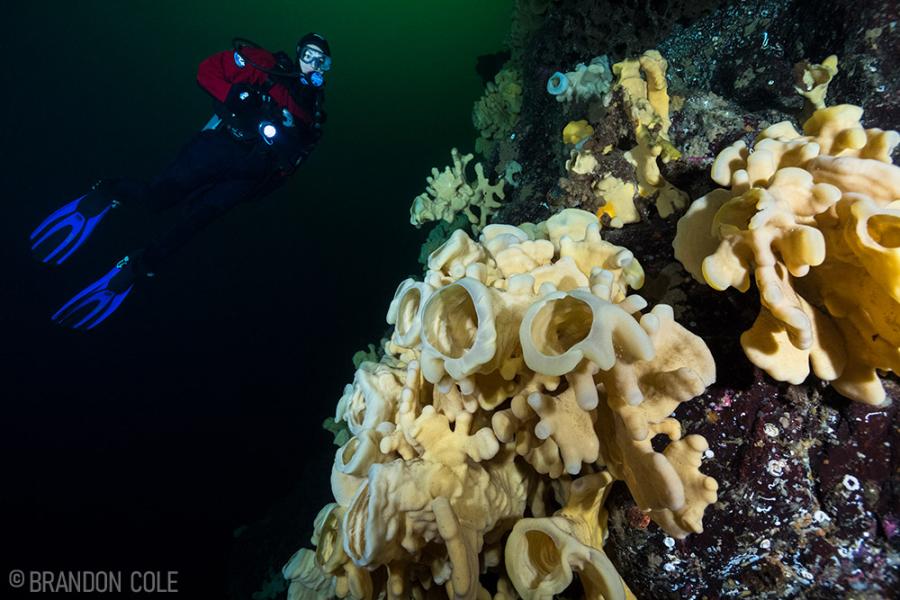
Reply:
x=268 y=131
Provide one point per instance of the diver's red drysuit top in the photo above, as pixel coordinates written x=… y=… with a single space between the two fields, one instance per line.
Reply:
x=217 y=73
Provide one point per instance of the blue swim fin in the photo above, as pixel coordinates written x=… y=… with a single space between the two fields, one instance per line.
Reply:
x=92 y=305
x=64 y=231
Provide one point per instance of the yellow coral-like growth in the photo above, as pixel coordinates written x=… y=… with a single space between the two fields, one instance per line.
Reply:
x=449 y=192
x=647 y=100
x=812 y=81
x=521 y=363
x=617 y=195
x=575 y=131
x=542 y=553
x=813 y=219
x=497 y=111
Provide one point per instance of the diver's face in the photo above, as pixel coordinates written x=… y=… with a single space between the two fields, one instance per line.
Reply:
x=311 y=57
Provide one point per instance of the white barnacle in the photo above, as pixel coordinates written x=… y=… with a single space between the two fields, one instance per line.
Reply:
x=851 y=483
x=775 y=467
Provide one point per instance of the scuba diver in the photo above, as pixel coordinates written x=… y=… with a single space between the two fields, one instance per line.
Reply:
x=268 y=118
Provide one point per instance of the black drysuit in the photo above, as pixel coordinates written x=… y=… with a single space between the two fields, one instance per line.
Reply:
x=222 y=167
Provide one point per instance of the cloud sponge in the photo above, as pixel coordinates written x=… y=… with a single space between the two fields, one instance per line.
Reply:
x=449 y=192
x=520 y=370
x=814 y=220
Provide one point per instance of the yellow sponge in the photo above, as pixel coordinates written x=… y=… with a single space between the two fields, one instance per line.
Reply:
x=576 y=131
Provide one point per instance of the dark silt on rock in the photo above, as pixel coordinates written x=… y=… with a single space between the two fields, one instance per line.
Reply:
x=806 y=507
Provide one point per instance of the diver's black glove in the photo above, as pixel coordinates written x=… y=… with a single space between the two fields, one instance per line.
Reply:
x=243 y=98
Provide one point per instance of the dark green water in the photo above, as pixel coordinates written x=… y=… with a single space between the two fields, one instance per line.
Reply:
x=197 y=406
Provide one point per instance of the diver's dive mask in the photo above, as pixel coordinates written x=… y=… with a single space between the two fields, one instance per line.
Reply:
x=315 y=58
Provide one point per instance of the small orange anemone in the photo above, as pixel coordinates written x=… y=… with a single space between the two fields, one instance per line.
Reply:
x=607 y=209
